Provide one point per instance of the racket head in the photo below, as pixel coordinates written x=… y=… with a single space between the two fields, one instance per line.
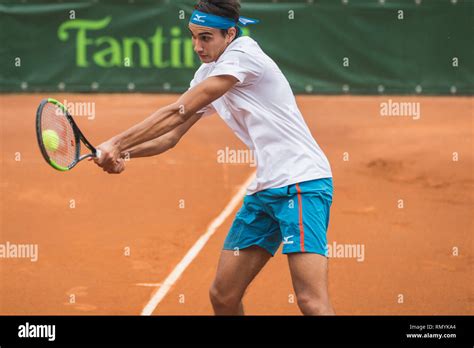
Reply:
x=63 y=150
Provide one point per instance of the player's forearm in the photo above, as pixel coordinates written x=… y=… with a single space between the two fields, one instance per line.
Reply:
x=150 y=148
x=167 y=118
x=162 y=143
x=159 y=123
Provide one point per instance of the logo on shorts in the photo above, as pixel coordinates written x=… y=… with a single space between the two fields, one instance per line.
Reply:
x=286 y=241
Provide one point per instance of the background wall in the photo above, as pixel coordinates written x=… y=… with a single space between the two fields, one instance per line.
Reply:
x=326 y=46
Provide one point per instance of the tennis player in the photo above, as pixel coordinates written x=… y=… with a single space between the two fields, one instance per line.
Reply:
x=290 y=199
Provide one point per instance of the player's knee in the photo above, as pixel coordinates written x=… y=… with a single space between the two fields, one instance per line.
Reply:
x=312 y=305
x=222 y=299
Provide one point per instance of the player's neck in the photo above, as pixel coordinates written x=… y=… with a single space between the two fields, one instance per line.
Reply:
x=230 y=43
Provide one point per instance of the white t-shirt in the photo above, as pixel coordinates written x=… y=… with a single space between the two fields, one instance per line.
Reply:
x=262 y=111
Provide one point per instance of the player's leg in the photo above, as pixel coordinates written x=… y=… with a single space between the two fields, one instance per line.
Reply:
x=303 y=216
x=235 y=271
x=309 y=274
x=253 y=238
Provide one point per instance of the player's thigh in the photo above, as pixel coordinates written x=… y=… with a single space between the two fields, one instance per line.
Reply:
x=253 y=226
x=309 y=274
x=236 y=269
x=302 y=211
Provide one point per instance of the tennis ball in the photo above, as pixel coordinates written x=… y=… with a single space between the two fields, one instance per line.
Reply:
x=50 y=140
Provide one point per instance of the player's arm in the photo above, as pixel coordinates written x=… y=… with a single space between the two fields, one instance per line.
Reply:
x=163 y=143
x=166 y=118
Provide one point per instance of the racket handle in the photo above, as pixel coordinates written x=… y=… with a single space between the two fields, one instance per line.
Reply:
x=98 y=153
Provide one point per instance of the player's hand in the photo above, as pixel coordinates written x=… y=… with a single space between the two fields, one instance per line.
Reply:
x=118 y=168
x=109 y=156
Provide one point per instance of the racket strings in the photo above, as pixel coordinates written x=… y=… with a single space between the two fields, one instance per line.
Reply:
x=53 y=118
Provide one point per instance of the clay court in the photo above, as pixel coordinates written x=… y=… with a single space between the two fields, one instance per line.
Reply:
x=126 y=233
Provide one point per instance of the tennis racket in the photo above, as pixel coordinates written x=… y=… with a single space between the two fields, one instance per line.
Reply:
x=59 y=137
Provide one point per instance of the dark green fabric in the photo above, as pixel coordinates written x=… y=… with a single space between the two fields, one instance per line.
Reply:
x=309 y=40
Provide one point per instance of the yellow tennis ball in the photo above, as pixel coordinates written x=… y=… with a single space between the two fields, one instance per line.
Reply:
x=50 y=140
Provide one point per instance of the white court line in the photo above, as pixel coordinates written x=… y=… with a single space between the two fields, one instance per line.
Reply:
x=195 y=249
x=152 y=285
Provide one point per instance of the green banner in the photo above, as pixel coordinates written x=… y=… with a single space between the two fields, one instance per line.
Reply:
x=323 y=47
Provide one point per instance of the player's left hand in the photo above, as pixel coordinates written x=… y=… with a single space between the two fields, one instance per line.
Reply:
x=118 y=168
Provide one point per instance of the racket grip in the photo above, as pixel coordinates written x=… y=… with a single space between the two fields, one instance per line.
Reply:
x=98 y=153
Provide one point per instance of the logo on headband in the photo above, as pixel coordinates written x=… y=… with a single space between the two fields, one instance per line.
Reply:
x=246 y=21
x=197 y=18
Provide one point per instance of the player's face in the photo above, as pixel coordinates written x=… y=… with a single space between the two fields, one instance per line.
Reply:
x=209 y=43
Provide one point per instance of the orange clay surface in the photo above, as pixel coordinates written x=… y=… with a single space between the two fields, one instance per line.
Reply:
x=398 y=194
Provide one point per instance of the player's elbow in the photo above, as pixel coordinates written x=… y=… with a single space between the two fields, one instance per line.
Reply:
x=173 y=141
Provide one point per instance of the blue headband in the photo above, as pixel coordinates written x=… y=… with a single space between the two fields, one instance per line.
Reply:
x=218 y=22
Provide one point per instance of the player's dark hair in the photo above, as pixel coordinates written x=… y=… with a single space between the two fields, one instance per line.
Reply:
x=223 y=8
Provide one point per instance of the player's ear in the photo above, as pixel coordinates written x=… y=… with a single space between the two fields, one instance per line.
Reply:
x=231 y=34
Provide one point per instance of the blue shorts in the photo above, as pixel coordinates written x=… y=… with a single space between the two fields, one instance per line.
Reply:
x=297 y=215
